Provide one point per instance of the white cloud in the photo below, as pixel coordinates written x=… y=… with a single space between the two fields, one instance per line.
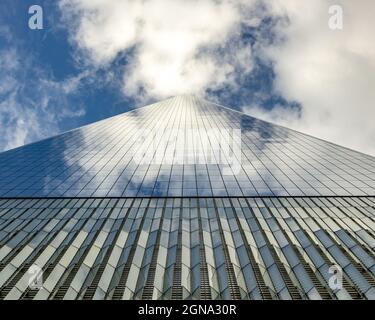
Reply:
x=175 y=46
x=31 y=103
x=175 y=42
x=330 y=73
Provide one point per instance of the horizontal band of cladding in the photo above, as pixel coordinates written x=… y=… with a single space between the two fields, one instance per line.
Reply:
x=253 y=248
x=190 y=197
x=109 y=202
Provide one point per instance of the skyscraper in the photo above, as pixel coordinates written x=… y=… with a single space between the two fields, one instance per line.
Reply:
x=186 y=199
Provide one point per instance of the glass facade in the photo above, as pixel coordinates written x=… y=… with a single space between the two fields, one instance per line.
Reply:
x=186 y=199
x=99 y=160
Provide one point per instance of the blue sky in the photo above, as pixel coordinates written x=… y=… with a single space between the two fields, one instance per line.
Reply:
x=48 y=54
x=95 y=59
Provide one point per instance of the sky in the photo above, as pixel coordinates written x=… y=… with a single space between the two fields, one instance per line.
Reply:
x=307 y=65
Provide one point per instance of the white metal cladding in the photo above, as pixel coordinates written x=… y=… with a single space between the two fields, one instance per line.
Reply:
x=188 y=248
